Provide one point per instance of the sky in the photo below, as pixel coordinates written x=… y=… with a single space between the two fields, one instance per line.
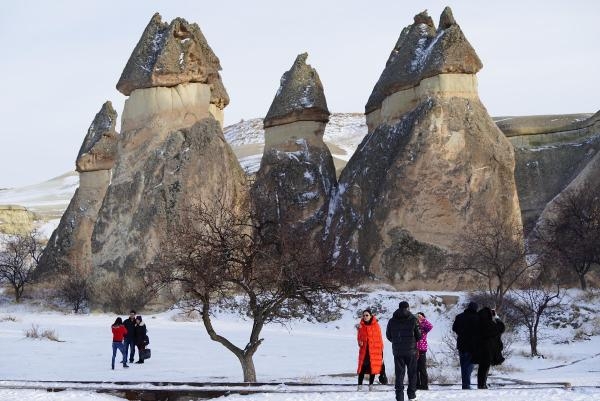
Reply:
x=62 y=59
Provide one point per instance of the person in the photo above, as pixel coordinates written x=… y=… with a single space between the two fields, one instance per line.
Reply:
x=403 y=332
x=118 y=332
x=370 y=352
x=129 y=324
x=140 y=337
x=490 y=329
x=425 y=326
x=466 y=327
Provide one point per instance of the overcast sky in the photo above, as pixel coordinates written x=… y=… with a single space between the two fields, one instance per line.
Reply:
x=61 y=60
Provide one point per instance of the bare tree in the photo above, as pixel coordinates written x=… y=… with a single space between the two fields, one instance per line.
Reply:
x=531 y=305
x=219 y=256
x=19 y=256
x=571 y=235
x=492 y=250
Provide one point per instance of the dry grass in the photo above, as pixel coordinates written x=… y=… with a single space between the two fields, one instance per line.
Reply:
x=39 y=334
x=8 y=318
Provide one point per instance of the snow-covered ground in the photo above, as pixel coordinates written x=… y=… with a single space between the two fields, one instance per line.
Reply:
x=304 y=352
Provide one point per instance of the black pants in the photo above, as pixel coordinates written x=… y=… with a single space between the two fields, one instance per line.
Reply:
x=405 y=363
x=482 y=374
x=422 y=378
x=366 y=369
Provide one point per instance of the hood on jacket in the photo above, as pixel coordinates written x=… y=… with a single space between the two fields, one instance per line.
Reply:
x=402 y=314
x=373 y=320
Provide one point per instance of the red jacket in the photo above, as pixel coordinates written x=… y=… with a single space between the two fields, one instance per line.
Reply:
x=369 y=335
x=118 y=333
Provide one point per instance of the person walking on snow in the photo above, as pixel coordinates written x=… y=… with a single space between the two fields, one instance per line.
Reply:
x=425 y=327
x=118 y=332
x=404 y=333
x=489 y=346
x=370 y=352
x=466 y=327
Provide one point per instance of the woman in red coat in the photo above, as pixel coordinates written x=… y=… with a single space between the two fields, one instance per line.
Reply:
x=118 y=332
x=370 y=343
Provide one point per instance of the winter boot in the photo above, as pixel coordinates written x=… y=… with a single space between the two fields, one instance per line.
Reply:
x=359 y=387
x=125 y=365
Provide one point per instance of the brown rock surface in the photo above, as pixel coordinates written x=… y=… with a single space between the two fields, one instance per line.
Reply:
x=420 y=179
x=70 y=244
x=172 y=54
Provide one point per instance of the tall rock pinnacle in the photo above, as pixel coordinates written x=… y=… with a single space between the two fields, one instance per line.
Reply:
x=300 y=96
x=171 y=54
x=296 y=175
x=69 y=247
x=430 y=166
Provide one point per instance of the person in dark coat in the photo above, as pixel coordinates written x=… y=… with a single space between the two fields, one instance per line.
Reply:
x=403 y=332
x=490 y=344
x=466 y=327
x=129 y=324
x=141 y=338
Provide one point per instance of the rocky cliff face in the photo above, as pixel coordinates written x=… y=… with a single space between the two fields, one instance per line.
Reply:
x=430 y=166
x=69 y=245
x=550 y=153
x=171 y=152
x=297 y=174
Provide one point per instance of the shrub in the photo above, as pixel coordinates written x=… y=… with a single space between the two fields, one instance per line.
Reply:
x=8 y=318
x=36 y=333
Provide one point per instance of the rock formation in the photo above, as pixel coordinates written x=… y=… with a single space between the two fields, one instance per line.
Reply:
x=430 y=166
x=171 y=152
x=550 y=152
x=296 y=174
x=70 y=244
x=15 y=219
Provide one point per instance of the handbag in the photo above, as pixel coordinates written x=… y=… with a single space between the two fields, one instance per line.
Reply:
x=146 y=353
x=383 y=379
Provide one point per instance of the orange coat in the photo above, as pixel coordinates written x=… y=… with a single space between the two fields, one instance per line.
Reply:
x=370 y=335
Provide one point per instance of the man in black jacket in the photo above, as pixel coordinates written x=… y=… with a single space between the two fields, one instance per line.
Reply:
x=466 y=327
x=403 y=332
x=130 y=336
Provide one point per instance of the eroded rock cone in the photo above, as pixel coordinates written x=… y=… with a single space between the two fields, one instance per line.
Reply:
x=296 y=175
x=430 y=166
x=172 y=153
x=69 y=247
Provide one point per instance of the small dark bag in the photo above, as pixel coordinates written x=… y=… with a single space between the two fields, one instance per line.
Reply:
x=146 y=353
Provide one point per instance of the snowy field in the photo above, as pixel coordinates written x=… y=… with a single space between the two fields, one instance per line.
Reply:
x=303 y=352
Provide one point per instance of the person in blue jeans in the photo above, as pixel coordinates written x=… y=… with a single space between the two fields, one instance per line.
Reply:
x=118 y=333
x=130 y=337
x=466 y=327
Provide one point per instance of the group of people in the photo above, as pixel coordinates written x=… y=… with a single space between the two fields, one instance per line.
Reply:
x=127 y=336
x=408 y=335
x=478 y=342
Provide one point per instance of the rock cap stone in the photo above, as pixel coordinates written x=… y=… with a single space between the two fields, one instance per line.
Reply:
x=99 y=146
x=172 y=54
x=300 y=96
x=422 y=52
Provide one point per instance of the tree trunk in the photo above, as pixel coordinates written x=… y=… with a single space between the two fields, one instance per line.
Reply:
x=533 y=341
x=582 y=282
x=248 y=368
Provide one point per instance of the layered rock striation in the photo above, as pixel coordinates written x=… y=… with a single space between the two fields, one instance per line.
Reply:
x=550 y=152
x=430 y=166
x=296 y=175
x=69 y=246
x=171 y=153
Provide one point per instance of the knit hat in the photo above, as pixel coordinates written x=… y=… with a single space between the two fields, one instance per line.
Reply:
x=403 y=305
x=473 y=306
x=138 y=317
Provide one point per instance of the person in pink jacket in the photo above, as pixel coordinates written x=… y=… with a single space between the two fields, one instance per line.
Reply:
x=425 y=326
